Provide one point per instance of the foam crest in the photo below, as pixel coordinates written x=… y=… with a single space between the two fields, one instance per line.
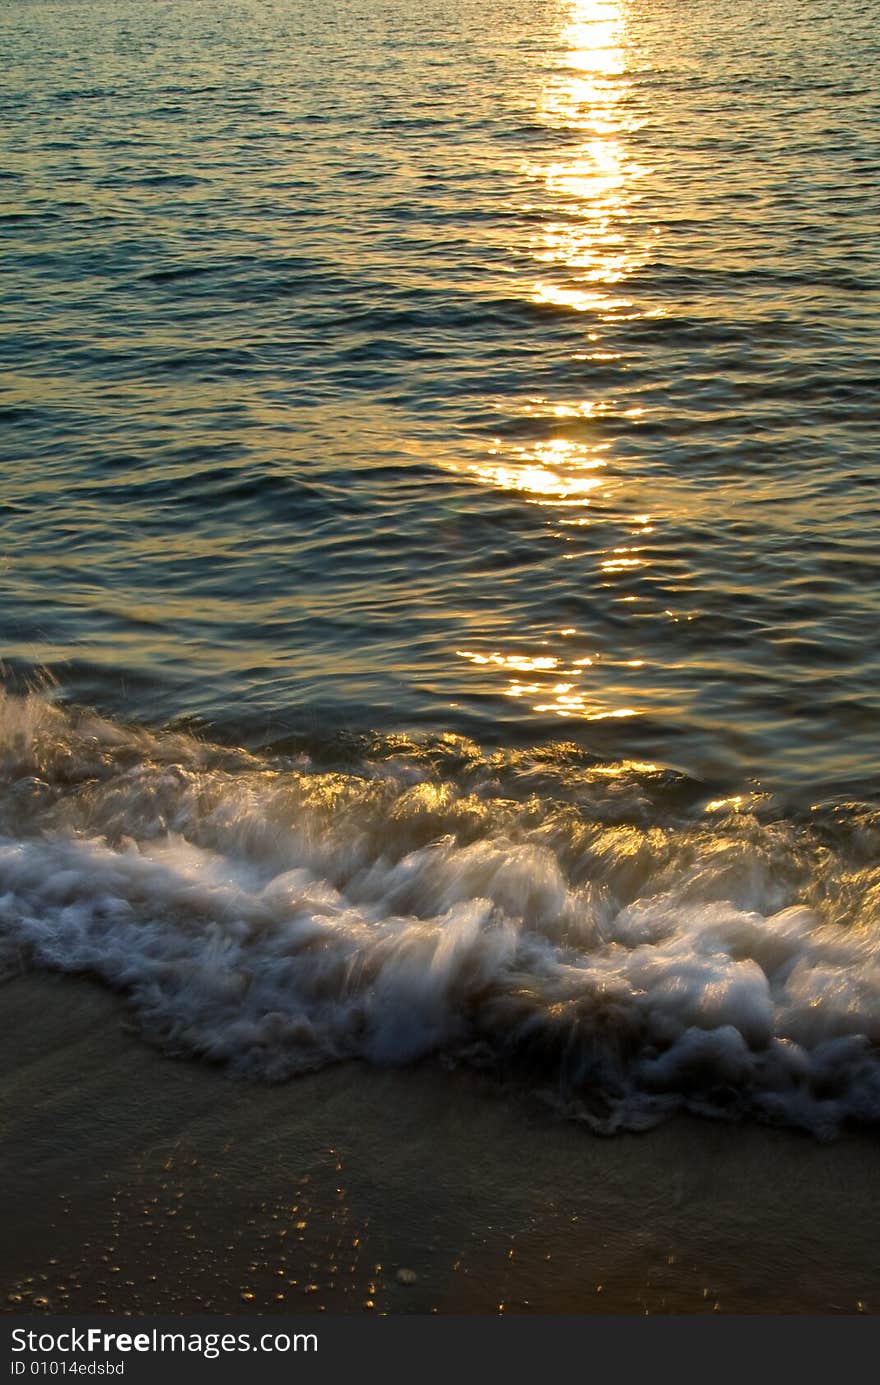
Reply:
x=274 y=916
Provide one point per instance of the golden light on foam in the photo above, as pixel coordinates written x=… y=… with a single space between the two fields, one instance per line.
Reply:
x=732 y=804
x=626 y=766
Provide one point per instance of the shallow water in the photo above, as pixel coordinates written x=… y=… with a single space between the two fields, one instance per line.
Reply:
x=473 y=415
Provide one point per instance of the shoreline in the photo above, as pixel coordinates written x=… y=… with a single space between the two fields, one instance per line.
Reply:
x=139 y=1183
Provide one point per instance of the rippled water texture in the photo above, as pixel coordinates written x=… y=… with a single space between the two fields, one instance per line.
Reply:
x=507 y=368
x=440 y=446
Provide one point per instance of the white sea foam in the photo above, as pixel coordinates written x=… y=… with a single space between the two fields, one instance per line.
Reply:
x=275 y=918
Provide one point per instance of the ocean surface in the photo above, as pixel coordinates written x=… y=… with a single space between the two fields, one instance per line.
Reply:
x=439 y=514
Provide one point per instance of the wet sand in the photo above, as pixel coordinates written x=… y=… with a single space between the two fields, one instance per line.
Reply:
x=134 y=1182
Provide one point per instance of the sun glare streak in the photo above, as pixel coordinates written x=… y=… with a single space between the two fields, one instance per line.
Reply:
x=531 y=676
x=585 y=239
x=556 y=472
x=584 y=250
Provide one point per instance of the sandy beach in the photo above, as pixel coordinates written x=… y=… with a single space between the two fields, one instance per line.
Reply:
x=138 y=1183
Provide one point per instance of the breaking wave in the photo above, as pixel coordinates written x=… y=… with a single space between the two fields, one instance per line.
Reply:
x=599 y=933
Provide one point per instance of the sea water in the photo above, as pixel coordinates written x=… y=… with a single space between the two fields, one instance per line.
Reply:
x=439 y=513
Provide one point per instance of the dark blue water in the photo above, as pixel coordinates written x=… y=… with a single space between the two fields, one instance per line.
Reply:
x=479 y=403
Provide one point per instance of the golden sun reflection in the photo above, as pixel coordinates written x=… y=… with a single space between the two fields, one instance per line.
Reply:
x=585 y=247
x=522 y=663
x=585 y=239
x=563 y=696
x=557 y=472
